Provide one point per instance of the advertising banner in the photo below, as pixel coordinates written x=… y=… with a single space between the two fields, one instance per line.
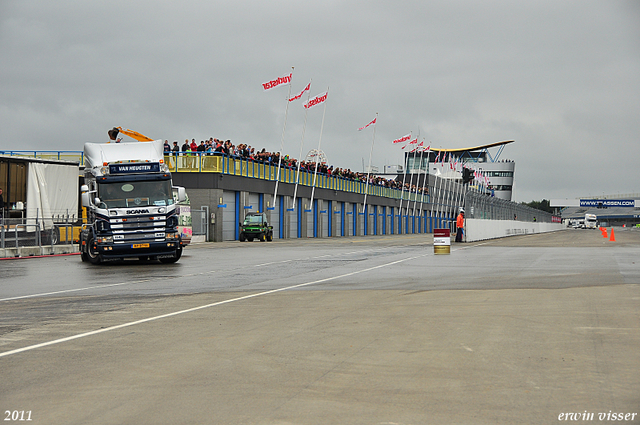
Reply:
x=606 y=203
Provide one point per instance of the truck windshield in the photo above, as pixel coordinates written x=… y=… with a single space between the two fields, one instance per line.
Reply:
x=253 y=219
x=136 y=194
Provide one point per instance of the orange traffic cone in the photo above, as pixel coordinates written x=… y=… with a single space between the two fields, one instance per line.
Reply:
x=604 y=233
x=613 y=237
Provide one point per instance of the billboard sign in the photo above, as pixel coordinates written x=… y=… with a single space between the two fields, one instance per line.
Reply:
x=606 y=203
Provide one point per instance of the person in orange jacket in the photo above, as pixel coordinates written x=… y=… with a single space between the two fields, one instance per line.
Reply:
x=460 y=225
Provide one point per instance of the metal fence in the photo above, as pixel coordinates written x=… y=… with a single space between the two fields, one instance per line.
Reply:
x=478 y=205
x=18 y=233
x=448 y=196
x=199 y=222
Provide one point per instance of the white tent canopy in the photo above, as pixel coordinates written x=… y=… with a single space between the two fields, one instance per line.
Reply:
x=52 y=190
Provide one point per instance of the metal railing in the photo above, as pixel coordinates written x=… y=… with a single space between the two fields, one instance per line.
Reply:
x=72 y=156
x=218 y=163
x=478 y=205
x=18 y=233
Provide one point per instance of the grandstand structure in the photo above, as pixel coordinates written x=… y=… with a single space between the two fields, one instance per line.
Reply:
x=223 y=189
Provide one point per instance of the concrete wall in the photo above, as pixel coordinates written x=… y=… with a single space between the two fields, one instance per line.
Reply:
x=478 y=230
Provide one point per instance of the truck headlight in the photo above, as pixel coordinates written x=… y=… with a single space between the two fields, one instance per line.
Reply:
x=105 y=239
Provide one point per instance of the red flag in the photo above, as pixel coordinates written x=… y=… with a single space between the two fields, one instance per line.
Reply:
x=403 y=138
x=316 y=100
x=372 y=122
x=278 y=81
x=301 y=93
x=413 y=142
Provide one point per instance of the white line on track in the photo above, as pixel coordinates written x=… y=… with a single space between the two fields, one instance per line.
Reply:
x=189 y=310
x=73 y=290
x=44 y=294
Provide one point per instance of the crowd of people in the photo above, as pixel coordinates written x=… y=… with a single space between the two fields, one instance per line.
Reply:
x=214 y=146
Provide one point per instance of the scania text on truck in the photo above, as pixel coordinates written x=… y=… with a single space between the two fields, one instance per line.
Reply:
x=131 y=208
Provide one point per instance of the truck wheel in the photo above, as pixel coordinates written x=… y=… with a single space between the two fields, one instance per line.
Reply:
x=174 y=259
x=93 y=256
x=50 y=237
x=262 y=237
x=269 y=237
x=242 y=237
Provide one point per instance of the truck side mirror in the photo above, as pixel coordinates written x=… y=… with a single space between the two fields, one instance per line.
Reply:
x=182 y=193
x=86 y=202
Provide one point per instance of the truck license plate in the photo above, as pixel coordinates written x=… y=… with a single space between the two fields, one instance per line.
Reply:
x=140 y=245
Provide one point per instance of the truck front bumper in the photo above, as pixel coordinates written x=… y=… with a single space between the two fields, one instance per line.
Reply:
x=147 y=249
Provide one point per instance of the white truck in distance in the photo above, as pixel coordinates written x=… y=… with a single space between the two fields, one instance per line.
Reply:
x=131 y=210
x=590 y=221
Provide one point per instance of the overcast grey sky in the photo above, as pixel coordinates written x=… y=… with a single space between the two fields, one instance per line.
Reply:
x=561 y=78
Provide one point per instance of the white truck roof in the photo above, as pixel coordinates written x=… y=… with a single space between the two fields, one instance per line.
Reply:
x=95 y=154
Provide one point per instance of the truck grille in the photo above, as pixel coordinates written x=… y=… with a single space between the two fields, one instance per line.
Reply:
x=141 y=228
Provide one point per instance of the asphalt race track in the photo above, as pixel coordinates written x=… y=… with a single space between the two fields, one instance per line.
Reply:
x=370 y=330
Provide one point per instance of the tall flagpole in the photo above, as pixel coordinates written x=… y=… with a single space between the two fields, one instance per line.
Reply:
x=434 y=196
x=435 y=202
x=275 y=193
x=304 y=127
x=447 y=208
x=426 y=173
x=404 y=177
x=315 y=173
x=366 y=189
x=415 y=202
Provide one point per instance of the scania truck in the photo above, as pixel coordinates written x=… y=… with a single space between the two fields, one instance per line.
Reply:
x=131 y=203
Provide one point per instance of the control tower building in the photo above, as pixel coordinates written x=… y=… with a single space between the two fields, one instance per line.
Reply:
x=499 y=172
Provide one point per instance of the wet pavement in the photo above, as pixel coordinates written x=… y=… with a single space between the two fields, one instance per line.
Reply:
x=344 y=330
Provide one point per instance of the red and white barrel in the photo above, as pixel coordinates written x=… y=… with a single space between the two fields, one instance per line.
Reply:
x=441 y=241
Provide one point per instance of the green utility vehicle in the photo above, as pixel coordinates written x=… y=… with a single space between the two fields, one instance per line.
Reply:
x=255 y=226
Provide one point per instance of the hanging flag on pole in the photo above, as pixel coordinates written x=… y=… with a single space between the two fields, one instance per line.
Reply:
x=277 y=82
x=366 y=190
x=372 y=122
x=267 y=86
x=420 y=147
x=322 y=98
x=403 y=139
x=412 y=142
x=316 y=100
x=301 y=93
